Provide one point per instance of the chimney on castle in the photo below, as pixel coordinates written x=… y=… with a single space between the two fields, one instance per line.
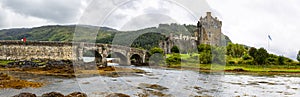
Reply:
x=208 y=14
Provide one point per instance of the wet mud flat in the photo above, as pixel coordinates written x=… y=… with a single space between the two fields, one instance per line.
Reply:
x=7 y=81
x=160 y=82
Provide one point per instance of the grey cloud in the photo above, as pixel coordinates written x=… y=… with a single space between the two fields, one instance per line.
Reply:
x=155 y=10
x=147 y=20
x=128 y=4
x=2 y=18
x=60 y=11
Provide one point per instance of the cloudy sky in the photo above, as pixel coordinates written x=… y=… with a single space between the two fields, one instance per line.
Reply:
x=244 y=21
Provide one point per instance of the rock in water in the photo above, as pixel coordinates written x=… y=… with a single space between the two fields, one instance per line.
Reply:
x=152 y=86
x=4 y=76
x=25 y=95
x=117 y=95
x=77 y=94
x=53 y=94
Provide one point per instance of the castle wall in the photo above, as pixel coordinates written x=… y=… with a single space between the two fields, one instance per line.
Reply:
x=211 y=30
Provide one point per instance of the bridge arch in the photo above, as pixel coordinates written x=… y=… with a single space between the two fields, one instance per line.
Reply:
x=136 y=59
x=93 y=53
x=123 y=60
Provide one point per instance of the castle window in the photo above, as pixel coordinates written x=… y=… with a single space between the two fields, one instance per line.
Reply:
x=216 y=26
x=209 y=34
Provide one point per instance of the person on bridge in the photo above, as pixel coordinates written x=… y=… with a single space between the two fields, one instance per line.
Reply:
x=23 y=39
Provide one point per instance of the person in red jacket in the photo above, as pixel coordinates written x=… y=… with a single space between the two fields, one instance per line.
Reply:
x=23 y=39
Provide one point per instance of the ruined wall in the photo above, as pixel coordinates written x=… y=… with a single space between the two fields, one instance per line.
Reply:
x=17 y=50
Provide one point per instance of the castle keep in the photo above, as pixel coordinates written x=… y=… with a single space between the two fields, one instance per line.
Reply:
x=208 y=31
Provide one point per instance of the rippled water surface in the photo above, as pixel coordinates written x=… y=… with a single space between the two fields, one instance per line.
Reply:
x=179 y=84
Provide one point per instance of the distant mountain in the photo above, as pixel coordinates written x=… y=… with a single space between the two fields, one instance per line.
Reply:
x=46 y=33
x=144 y=38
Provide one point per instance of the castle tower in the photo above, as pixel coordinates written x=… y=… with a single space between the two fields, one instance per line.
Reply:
x=209 y=30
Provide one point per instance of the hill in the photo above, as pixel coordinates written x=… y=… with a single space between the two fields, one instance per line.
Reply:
x=143 y=38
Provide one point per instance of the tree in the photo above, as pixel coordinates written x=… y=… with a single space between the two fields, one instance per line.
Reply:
x=280 y=60
x=252 y=52
x=174 y=59
x=235 y=50
x=218 y=55
x=205 y=57
x=203 y=47
x=261 y=56
x=175 y=49
x=298 y=56
x=156 y=56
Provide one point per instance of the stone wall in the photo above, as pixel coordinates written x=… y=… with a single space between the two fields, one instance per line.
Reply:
x=18 y=50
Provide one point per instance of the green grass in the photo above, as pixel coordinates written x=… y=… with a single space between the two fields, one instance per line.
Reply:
x=265 y=68
x=248 y=68
x=5 y=62
x=270 y=68
x=189 y=62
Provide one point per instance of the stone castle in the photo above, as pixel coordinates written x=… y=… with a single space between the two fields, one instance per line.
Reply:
x=208 y=31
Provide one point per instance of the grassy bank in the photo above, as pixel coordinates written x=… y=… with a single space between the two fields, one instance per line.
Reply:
x=5 y=62
x=191 y=62
x=239 y=68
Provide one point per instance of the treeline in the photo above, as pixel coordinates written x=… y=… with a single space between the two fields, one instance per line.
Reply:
x=239 y=54
x=232 y=54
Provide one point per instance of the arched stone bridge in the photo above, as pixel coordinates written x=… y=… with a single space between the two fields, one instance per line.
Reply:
x=18 y=50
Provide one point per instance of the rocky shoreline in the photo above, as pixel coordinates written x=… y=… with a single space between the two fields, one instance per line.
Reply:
x=66 y=68
x=52 y=94
x=74 y=94
x=62 y=68
x=7 y=81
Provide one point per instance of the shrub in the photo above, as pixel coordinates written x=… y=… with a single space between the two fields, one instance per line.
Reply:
x=219 y=55
x=280 y=60
x=240 y=62
x=175 y=49
x=261 y=56
x=247 y=57
x=298 y=56
x=248 y=62
x=205 y=57
x=173 y=59
x=156 y=50
x=231 y=62
x=203 y=47
x=252 y=52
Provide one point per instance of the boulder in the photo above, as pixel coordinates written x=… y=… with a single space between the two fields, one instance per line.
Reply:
x=53 y=94
x=4 y=76
x=77 y=94
x=25 y=95
x=117 y=95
